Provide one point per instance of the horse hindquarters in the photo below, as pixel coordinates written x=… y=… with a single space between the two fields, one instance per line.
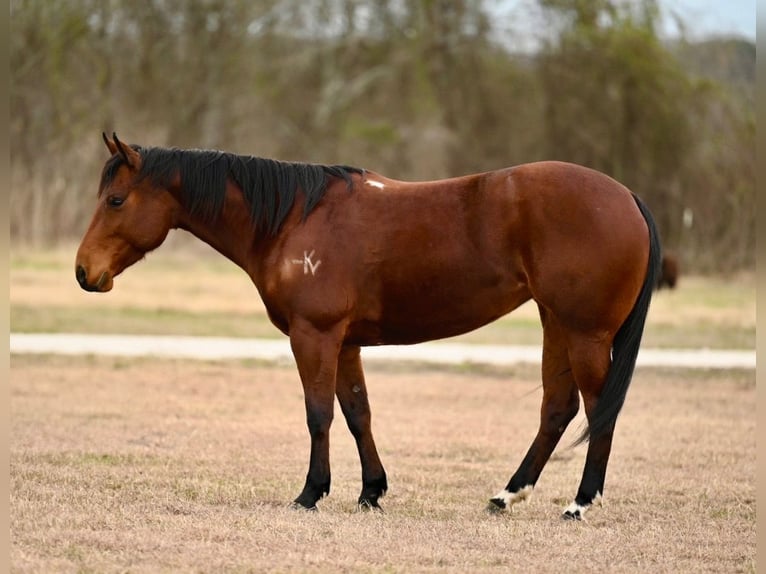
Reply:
x=604 y=401
x=601 y=369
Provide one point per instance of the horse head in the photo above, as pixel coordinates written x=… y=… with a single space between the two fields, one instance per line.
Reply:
x=133 y=216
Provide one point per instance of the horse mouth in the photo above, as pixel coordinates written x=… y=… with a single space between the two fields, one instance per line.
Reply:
x=103 y=284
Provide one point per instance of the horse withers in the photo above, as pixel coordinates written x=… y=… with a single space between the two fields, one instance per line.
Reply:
x=345 y=258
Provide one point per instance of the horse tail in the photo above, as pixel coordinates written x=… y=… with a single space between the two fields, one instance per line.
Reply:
x=626 y=342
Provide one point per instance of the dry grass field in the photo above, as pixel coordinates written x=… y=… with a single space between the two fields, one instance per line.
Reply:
x=170 y=466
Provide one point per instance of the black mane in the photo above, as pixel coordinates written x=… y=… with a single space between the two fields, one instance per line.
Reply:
x=269 y=186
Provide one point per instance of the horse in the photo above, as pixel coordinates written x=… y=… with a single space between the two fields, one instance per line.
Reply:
x=669 y=272
x=345 y=258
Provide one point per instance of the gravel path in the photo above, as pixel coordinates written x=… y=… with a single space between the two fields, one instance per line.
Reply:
x=207 y=348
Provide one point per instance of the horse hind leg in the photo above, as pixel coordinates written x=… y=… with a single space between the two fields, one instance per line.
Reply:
x=560 y=405
x=351 y=391
x=591 y=360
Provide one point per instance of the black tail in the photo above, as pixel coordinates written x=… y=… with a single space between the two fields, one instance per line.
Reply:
x=626 y=342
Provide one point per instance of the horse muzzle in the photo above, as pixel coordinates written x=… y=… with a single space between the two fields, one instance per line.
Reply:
x=103 y=284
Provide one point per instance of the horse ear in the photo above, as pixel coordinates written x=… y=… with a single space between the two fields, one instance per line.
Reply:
x=131 y=156
x=109 y=143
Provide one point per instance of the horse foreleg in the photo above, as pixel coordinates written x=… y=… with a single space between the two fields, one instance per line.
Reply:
x=559 y=406
x=590 y=364
x=351 y=391
x=316 y=355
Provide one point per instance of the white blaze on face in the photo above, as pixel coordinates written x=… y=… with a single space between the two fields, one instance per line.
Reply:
x=374 y=183
x=511 y=498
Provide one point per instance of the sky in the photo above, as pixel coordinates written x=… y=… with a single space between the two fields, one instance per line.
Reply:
x=521 y=25
x=714 y=16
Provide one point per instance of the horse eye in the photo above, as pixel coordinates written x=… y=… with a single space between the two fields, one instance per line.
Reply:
x=115 y=201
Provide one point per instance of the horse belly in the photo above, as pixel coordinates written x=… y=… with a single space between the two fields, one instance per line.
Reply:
x=435 y=306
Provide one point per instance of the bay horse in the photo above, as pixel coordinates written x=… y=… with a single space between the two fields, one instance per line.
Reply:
x=669 y=272
x=345 y=258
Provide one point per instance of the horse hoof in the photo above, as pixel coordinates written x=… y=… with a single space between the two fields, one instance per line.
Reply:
x=298 y=506
x=366 y=505
x=572 y=515
x=495 y=506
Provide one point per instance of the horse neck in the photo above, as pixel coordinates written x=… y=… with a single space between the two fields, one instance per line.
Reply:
x=231 y=234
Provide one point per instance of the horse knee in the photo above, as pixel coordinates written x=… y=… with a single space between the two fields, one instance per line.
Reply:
x=318 y=422
x=359 y=423
x=356 y=411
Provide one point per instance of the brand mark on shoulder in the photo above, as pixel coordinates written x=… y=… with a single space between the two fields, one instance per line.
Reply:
x=308 y=264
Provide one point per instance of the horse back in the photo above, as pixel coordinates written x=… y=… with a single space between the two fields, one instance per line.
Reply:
x=403 y=262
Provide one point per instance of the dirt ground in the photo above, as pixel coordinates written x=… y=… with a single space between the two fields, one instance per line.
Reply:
x=171 y=466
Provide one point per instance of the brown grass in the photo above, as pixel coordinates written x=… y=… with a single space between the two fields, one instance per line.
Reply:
x=171 y=466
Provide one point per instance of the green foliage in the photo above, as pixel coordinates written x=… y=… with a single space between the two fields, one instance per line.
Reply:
x=619 y=100
x=378 y=133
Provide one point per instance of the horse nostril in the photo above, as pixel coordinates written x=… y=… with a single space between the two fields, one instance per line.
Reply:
x=82 y=276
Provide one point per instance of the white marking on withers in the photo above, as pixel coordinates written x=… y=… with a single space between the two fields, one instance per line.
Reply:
x=374 y=183
x=511 y=498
